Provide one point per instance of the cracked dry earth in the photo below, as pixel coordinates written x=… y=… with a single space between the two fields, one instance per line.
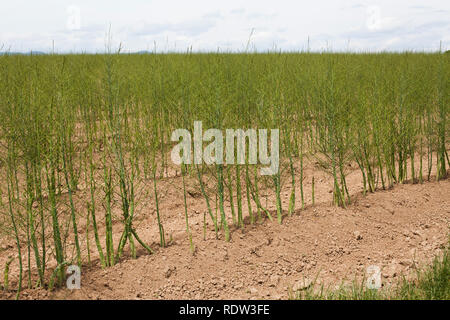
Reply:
x=397 y=229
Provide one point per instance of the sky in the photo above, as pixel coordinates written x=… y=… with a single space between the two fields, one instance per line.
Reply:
x=234 y=25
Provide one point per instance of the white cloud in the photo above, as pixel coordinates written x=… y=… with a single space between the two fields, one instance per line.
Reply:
x=81 y=25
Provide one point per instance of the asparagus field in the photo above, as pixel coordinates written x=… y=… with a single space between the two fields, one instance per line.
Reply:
x=86 y=140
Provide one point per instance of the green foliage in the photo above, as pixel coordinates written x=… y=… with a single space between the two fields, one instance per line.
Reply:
x=103 y=123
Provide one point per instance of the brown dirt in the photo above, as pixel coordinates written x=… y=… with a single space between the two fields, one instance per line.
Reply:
x=397 y=229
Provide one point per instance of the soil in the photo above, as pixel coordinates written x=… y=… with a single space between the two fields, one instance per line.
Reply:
x=399 y=230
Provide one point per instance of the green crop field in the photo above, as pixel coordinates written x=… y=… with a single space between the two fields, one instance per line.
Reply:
x=105 y=122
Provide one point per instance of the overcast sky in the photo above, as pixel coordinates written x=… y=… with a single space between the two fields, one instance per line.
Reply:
x=81 y=25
